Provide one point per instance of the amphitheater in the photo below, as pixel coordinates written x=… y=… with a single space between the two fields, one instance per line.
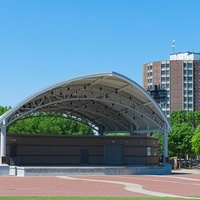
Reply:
x=108 y=103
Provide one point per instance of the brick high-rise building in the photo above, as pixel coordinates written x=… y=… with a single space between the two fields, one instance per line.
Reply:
x=175 y=83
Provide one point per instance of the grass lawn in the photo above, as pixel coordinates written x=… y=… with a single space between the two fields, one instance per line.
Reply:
x=88 y=198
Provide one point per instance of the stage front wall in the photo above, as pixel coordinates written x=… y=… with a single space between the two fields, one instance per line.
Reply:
x=54 y=150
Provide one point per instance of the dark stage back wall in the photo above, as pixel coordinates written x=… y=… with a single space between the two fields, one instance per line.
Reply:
x=54 y=150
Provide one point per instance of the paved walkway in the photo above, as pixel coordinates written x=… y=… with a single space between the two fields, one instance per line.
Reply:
x=182 y=183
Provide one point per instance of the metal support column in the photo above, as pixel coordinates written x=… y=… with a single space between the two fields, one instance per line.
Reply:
x=131 y=129
x=101 y=130
x=3 y=143
x=165 y=134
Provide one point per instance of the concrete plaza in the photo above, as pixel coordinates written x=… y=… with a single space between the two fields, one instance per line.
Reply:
x=182 y=183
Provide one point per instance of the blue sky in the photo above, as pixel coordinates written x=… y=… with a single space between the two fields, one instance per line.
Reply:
x=46 y=41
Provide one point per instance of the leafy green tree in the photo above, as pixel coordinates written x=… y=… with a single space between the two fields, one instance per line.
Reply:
x=43 y=124
x=179 y=140
x=177 y=117
x=196 y=141
x=193 y=118
x=4 y=109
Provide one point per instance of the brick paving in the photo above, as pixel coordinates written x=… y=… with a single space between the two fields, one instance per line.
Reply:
x=180 y=184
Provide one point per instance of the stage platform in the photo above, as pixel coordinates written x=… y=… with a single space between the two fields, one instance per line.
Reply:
x=89 y=170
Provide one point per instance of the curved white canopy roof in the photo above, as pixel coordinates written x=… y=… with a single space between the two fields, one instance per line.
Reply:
x=109 y=101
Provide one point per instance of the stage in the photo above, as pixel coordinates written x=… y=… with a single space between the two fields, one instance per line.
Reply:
x=88 y=170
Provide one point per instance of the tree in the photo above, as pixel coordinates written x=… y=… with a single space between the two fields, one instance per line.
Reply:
x=196 y=141
x=4 y=109
x=177 y=117
x=193 y=118
x=43 y=124
x=179 y=140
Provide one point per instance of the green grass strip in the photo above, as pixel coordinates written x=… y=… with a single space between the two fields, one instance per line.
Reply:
x=89 y=198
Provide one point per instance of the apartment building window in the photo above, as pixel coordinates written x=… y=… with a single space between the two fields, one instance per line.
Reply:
x=150 y=80
x=189 y=65
x=163 y=106
x=163 y=72
x=188 y=79
x=190 y=85
x=185 y=72
x=163 y=79
x=190 y=99
x=190 y=106
x=185 y=92
x=190 y=72
x=163 y=66
x=150 y=74
x=189 y=92
x=168 y=112
x=150 y=67
x=168 y=93
x=163 y=86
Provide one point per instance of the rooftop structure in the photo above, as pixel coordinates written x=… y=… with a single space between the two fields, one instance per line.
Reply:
x=185 y=56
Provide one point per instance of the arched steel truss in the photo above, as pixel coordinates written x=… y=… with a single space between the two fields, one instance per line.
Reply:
x=105 y=101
